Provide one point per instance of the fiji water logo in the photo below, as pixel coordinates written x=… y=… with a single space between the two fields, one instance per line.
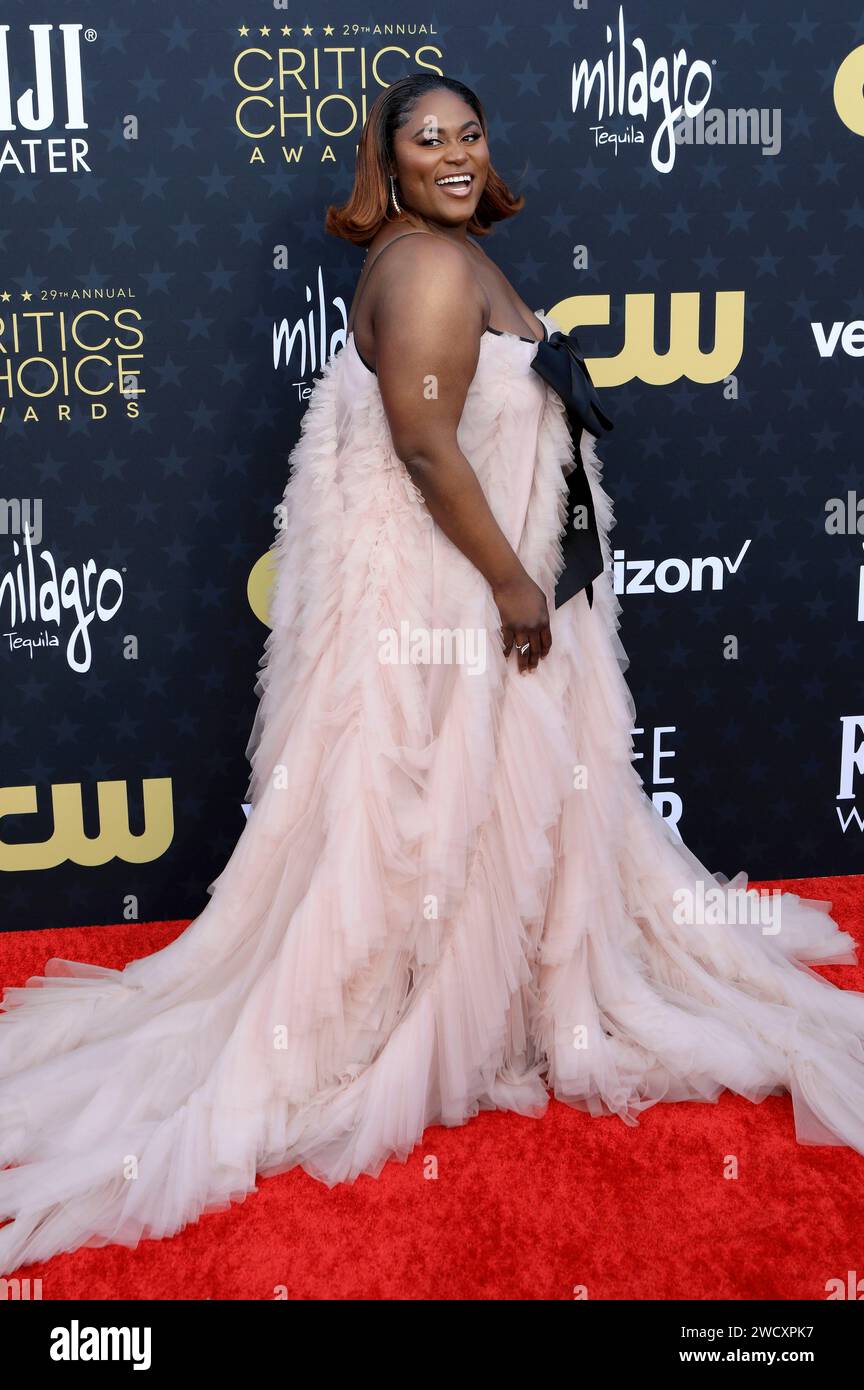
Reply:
x=629 y=88
x=35 y=107
x=57 y=92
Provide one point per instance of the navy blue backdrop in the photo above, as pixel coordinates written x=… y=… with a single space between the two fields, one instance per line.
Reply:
x=167 y=291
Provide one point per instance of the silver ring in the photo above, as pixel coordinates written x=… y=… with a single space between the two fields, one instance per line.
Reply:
x=523 y=650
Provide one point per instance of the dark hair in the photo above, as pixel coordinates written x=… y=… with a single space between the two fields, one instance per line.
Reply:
x=368 y=207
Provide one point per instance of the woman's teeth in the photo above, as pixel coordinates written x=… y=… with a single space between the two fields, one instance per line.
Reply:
x=458 y=185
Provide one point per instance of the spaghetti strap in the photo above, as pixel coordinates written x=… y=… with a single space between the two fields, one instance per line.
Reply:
x=377 y=258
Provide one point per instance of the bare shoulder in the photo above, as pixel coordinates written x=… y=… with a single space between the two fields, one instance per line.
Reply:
x=423 y=253
x=431 y=278
x=428 y=327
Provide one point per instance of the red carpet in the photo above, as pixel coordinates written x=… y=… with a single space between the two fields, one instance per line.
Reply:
x=520 y=1209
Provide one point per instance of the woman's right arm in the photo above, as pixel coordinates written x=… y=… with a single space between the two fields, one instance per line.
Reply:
x=427 y=320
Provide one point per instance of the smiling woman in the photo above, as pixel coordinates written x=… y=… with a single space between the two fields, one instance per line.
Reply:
x=452 y=892
x=424 y=165
x=436 y=130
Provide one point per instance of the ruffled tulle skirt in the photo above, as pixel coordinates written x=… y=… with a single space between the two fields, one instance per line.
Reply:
x=451 y=894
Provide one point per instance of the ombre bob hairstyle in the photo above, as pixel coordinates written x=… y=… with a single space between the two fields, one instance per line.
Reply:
x=369 y=205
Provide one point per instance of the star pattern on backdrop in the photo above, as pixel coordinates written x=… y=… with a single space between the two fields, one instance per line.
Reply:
x=176 y=487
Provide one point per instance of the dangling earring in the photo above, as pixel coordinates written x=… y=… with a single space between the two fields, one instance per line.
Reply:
x=393 y=195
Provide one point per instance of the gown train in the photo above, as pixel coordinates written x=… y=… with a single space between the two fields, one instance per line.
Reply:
x=451 y=894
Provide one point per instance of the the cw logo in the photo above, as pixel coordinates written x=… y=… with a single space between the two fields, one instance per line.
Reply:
x=637 y=359
x=259 y=585
x=849 y=91
x=68 y=840
x=683 y=357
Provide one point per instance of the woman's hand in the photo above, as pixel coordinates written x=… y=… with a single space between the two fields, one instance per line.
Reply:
x=524 y=619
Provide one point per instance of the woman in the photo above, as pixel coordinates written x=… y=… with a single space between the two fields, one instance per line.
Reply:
x=452 y=892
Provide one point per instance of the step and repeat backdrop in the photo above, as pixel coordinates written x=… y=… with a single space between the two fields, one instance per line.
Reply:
x=694 y=202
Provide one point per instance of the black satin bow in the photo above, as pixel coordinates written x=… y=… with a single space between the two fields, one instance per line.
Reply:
x=561 y=364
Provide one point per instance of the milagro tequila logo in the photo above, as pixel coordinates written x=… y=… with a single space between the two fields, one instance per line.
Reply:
x=45 y=104
x=35 y=607
x=307 y=345
x=627 y=86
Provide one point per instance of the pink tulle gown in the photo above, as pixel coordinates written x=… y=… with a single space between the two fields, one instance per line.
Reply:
x=452 y=892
